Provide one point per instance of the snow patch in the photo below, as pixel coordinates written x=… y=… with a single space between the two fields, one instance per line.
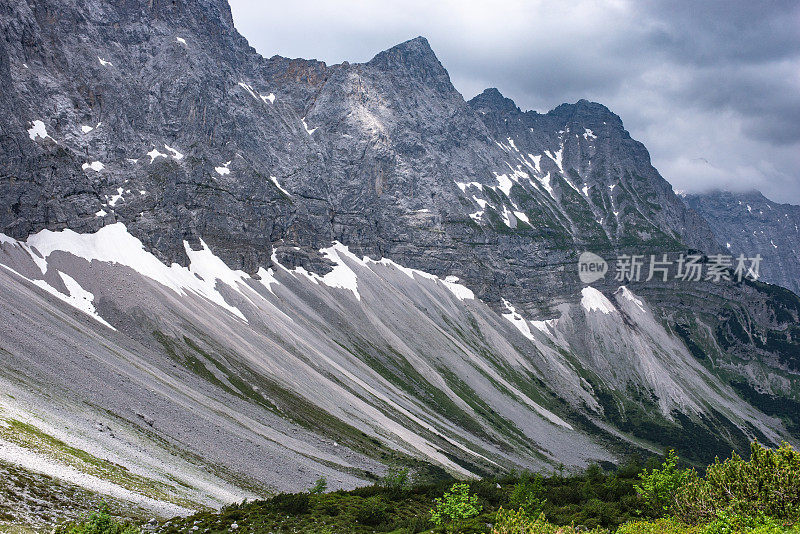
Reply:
x=341 y=276
x=156 y=154
x=627 y=294
x=101 y=213
x=517 y=320
x=536 y=162
x=546 y=327
x=116 y=198
x=461 y=292
x=113 y=244
x=545 y=181
x=464 y=185
x=78 y=298
x=588 y=134
x=180 y=40
x=267 y=278
x=86 y=129
x=224 y=169
x=508 y=218
x=38 y=129
x=177 y=156
x=104 y=63
x=592 y=299
x=95 y=166
x=81 y=299
x=504 y=183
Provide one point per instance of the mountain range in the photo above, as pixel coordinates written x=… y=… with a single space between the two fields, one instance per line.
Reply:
x=225 y=275
x=749 y=223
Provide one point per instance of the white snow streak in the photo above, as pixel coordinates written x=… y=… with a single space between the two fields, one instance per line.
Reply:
x=309 y=131
x=275 y=181
x=557 y=157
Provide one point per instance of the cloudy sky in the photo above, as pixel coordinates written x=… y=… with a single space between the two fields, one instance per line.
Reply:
x=712 y=88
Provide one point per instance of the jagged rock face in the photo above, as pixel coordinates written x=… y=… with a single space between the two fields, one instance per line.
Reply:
x=750 y=224
x=590 y=156
x=156 y=133
x=366 y=154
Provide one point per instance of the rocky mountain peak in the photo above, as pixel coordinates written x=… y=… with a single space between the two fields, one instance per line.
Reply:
x=584 y=112
x=492 y=99
x=413 y=57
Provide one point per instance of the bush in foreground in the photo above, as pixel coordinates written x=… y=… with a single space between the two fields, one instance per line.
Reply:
x=99 y=522
x=766 y=485
x=519 y=522
x=455 y=506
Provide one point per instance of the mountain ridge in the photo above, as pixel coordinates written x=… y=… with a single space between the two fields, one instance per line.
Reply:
x=749 y=223
x=342 y=268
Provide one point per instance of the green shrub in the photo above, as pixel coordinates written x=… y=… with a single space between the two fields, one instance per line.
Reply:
x=396 y=481
x=490 y=491
x=319 y=486
x=667 y=525
x=766 y=485
x=99 y=522
x=291 y=503
x=727 y=523
x=528 y=494
x=396 y=478
x=373 y=512
x=519 y=522
x=594 y=474
x=454 y=507
x=658 y=487
x=416 y=524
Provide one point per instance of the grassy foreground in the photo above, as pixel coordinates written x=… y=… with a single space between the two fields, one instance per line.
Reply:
x=758 y=495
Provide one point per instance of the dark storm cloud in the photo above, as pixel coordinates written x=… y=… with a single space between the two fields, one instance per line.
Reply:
x=708 y=33
x=712 y=88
